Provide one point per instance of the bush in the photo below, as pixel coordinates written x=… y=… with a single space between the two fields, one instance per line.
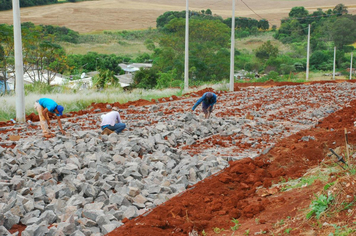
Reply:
x=273 y=75
x=348 y=48
x=165 y=79
x=299 y=66
x=286 y=69
x=177 y=84
x=146 y=79
x=243 y=34
x=38 y=87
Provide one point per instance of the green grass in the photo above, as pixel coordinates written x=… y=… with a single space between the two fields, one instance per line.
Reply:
x=126 y=48
x=130 y=43
x=75 y=101
x=319 y=205
x=318 y=174
x=253 y=42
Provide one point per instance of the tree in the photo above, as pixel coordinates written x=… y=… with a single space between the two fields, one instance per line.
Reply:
x=340 y=9
x=162 y=20
x=105 y=78
x=165 y=79
x=6 y=52
x=206 y=39
x=267 y=50
x=343 y=32
x=146 y=79
x=298 y=12
x=263 y=24
x=318 y=57
x=43 y=58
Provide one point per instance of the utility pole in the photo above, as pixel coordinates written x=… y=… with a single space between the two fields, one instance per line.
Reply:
x=19 y=90
x=186 y=59
x=232 y=52
x=334 y=63
x=308 y=49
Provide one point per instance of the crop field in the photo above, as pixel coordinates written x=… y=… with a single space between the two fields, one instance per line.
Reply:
x=94 y=16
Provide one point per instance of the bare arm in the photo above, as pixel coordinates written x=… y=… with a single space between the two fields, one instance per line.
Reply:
x=45 y=115
x=60 y=124
x=118 y=118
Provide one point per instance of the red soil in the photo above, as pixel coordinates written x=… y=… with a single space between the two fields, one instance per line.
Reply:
x=243 y=190
x=235 y=193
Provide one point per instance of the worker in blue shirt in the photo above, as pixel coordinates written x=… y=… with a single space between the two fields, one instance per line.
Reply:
x=43 y=107
x=208 y=99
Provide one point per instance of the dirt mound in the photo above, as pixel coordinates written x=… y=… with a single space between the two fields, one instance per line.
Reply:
x=243 y=191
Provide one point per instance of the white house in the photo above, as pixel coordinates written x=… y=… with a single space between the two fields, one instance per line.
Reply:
x=127 y=79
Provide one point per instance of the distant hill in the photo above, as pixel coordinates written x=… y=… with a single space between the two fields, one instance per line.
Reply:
x=94 y=16
x=7 y=4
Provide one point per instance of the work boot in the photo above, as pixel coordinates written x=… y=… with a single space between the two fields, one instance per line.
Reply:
x=106 y=131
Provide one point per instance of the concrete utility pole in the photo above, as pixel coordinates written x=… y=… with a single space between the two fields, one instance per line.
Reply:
x=334 y=63
x=352 y=55
x=186 y=60
x=19 y=90
x=232 y=52
x=308 y=49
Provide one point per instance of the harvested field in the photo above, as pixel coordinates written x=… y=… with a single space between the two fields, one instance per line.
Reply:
x=193 y=175
x=93 y=16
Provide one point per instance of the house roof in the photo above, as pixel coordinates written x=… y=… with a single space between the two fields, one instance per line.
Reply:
x=134 y=66
x=125 y=80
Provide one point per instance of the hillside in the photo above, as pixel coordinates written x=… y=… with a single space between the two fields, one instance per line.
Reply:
x=94 y=16
x=260 y=161
x=272 y=193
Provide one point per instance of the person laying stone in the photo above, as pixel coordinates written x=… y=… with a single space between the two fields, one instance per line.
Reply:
x=43 y=106
x=111 y=122
x=208 y=99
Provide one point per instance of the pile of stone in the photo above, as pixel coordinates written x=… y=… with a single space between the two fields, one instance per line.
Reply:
x=86 y=183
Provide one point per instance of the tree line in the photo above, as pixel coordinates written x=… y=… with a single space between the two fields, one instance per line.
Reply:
x=240 y=22
x=44 y=58
x=328 y=29
x=209 y=42
x=209 y=48
x=7 y=4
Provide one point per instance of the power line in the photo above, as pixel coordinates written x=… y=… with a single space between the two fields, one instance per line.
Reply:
x=251 y=9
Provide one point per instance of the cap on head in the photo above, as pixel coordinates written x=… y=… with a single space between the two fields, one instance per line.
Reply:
x=209 y=95
x=60 y=109
x=115 y=109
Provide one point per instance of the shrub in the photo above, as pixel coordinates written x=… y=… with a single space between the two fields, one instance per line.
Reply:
x=319 y=206
x=273 y=75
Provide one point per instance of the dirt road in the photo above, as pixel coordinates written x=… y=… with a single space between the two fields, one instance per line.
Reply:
x=91 y=16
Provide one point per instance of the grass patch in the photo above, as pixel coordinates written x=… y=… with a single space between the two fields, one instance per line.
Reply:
x=319 y=205
x=318 y=173
x=112 y=42
x=84 y=98
x=122 y=47
x=253 y=42
x=331 y=202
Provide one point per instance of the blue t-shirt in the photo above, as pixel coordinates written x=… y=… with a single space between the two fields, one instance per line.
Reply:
x=49 y=104
x=204 y=99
